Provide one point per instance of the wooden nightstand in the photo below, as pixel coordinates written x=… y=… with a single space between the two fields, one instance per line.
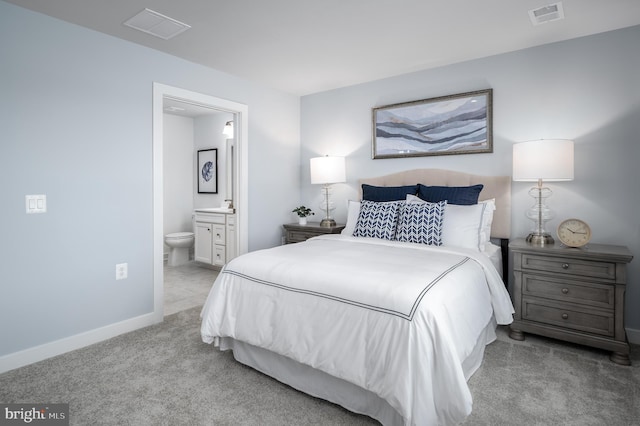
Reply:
x=572 y=294
x=295 y=233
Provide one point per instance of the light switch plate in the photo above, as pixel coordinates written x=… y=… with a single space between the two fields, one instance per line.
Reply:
x=36 y=203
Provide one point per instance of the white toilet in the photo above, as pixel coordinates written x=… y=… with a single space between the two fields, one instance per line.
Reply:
x=179 y=244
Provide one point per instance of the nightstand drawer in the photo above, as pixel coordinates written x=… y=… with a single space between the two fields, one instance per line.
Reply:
x=299 y=236
x=296 y=233
x=563 y=265
x=591 y=294
x=569 y=316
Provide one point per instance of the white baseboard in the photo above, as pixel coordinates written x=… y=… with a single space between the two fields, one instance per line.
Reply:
x=633 y=335
x=58 y=347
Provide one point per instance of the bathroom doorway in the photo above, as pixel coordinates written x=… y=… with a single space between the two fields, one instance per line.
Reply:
x=167 y=96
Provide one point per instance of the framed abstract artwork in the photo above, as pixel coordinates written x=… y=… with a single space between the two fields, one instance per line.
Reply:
x=207 y=171
x=454 y=124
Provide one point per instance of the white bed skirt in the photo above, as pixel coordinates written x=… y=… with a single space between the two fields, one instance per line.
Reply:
x=322 y=385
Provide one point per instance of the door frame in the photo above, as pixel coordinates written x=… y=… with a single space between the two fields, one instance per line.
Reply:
x=241 y=189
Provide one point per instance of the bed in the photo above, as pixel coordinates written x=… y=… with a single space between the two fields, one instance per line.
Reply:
x=384 y=323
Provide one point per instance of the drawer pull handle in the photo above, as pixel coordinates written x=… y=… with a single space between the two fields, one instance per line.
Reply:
x=565 y=290
x=565 y=316
x=565 y=266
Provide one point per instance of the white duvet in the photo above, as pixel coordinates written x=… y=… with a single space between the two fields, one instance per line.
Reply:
x=395 y=318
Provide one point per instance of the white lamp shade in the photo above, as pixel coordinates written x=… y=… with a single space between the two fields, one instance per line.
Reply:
x=547 y=159
x=228 y=130
x=327 y=170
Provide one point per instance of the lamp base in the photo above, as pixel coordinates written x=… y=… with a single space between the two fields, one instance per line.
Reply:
x=540 y=239
x=327 y=223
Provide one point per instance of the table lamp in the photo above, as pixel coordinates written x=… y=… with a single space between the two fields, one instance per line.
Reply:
x=538 y=161
x=327 y=171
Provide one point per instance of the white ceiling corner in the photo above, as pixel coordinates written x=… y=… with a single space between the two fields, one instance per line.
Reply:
x=304 y=47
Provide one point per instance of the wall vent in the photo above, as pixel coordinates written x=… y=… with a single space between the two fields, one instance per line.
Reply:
x=156 y=24
x=548 y=13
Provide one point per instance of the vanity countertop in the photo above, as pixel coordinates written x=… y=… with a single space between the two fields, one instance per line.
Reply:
x=216 y=210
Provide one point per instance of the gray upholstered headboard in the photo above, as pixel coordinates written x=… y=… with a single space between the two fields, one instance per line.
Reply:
x=498 y=187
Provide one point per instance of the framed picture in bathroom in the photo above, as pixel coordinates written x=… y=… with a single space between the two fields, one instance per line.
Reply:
x=207 y=171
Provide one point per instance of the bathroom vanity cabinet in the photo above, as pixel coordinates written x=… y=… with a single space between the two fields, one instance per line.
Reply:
x=215 y=235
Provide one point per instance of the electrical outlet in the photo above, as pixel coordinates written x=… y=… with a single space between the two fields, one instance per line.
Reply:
x=122 y=270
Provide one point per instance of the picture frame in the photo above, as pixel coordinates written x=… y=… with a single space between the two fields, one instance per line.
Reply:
x=453 y=124
x=207 y=171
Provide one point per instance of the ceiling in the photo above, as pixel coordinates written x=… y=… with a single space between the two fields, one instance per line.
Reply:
x=304 y=46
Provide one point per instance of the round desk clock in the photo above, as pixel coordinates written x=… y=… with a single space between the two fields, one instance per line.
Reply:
x=574 y=233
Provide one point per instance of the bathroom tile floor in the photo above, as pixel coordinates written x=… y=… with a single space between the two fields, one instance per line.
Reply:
x=186 y=286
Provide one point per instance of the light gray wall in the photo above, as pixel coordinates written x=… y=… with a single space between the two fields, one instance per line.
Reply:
x=586 y=89
x=76 y=120
x=178 y=174
x=208 y=134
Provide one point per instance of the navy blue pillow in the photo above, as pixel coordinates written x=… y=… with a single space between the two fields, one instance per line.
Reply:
x=387 y=193
x=461 y=195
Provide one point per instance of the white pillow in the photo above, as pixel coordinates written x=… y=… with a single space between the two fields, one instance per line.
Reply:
x=487 y=220
x=465 y=226
x=353 y=211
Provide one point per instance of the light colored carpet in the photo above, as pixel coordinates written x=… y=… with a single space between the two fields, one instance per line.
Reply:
x=165 y=375
x=547 y=382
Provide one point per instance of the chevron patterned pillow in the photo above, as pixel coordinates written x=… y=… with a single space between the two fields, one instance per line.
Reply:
x=421 y=223
x=378 y=219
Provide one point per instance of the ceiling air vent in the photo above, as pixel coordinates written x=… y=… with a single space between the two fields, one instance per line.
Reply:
x=156 y=24
x=548 y=13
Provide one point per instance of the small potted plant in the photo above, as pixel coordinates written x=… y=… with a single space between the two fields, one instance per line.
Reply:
x=302 y=213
